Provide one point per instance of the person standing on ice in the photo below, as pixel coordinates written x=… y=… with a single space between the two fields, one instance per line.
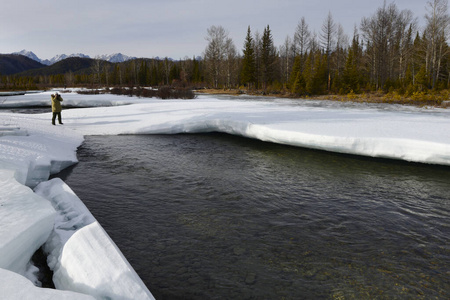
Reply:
x=56 y=107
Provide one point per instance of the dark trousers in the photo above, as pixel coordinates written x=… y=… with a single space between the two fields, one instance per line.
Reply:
x=54 y=117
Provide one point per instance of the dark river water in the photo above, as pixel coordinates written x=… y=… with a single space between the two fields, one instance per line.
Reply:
x=214 y=216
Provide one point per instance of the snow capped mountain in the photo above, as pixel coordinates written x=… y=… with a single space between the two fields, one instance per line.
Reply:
x=28 y=54
x=114 y=58
x=51 y=61
x=59 y=57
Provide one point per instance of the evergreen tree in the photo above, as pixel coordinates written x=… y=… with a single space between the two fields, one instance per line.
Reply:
x=307 y=73
x=422 y=79
x=320 y=74
x=174 y=73
x=143 y=73
x=268 y=58
x=115 y=75
x=248 y=61
x=351 y=75
x=299 y=86
x=196 y=77
x=155 y=78
x=296 y=70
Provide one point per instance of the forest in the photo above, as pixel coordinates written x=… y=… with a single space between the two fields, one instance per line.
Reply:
x=387 y=54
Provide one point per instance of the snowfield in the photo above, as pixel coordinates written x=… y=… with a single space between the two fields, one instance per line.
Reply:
x=35 y=212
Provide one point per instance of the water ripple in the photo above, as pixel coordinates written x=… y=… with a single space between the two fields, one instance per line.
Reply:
x=218 y=217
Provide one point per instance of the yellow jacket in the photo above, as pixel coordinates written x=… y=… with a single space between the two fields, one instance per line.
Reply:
x=56 y=103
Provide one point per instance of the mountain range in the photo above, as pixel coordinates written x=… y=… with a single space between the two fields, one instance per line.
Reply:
x=114 y=58
x=14 y=63
x=27 y=63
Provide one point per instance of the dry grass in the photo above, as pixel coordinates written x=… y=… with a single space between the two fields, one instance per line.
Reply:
x=441 y=99
x=220 y=91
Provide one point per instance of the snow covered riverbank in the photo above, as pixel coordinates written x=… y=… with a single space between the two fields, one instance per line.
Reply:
x=31 y=149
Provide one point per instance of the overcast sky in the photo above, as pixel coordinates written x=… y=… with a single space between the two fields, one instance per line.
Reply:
x=172 y=28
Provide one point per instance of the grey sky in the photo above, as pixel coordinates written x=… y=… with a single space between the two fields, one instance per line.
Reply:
x=172 y=28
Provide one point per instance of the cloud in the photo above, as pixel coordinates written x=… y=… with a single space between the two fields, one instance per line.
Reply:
x=173 y=28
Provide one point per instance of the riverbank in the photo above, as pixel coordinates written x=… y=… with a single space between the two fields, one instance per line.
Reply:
x=419 y=99
x=38 y=213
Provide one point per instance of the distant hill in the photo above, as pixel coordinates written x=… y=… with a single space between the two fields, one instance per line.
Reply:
x=13 y=63
x=60 y=57
x=76 y=65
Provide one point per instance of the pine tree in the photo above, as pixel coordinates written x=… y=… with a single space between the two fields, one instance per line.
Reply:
x=196 y=78
x=268 y=57
x=114 y=77
x=351 y=75
x=174 y=73
x=296 y=70
x=143 y=73
x=320 y=74
x=307 y=73
x=421 y=78
x=155 y=78
x=248 y=61
x=299 y=86
x=418 y=55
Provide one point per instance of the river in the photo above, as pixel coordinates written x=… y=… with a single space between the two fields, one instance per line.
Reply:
x=213 y=216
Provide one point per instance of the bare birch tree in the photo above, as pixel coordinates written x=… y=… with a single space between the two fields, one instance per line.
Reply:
x=231 y=65
x=383 y=34
x=220 y=56
x=214 y=53
x=287 y=60
x=406 y=30
x=436 y=33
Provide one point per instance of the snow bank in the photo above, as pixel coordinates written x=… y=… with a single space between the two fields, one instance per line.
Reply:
x=416 y=135
x=16 y=287
x=34 y=150
x=82 y=255
x=26 y=221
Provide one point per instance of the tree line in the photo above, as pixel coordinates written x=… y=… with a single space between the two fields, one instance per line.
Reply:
x=100 y=73
x=386 y=52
